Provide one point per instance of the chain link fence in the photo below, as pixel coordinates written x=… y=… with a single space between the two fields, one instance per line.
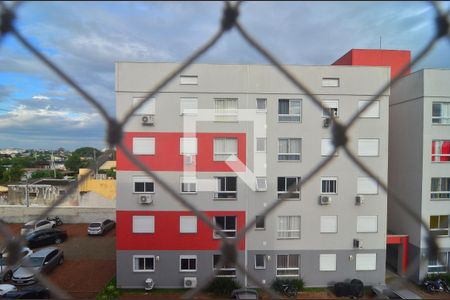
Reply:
x=229 y=21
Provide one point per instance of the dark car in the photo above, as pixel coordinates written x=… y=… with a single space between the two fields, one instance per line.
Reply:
x=42 y=261
x=46 y=237
x=29 y=293
x=100 y=228
x=245 y=294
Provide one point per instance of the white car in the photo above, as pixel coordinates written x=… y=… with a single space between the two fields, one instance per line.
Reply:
x=34 y=225
x=25 y=252
x=4 y=288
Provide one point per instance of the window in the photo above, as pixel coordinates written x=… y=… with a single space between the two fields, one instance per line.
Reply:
x=143 y=146
x=261 y=144
x=143 y=185
x=439 y=225
x=288 y=265
x=147 y=109
x=373 y=111
x=261 y=184
x=189 y=79
x=327 y=147
x=368 y=147
x=143 y=224
x=188 y=185
x=366 y=186
x=260 y=261
x=260 y=222
x=328 y=185
x=331 y=108
x=261 y=105
x=289 y=149
x=438 y=263
x=367 y=224
x=289 y=110
x=226 y=110
x=366 y=261
x=440 y=188
x=441 y=113
x=440 y=150
x=228 y=225
x=284 y=183
x=188 y=263
x=328 y=224
x=188 y=106
x=224 y=270
x=188 y=224
x=225 y=149
x=288 y=227
x=330 y=82
x=327 y=262
x=143 y=263
x=188 y=146
x=226 y=188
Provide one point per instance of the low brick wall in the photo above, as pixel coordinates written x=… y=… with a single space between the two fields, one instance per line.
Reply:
x=68 y=214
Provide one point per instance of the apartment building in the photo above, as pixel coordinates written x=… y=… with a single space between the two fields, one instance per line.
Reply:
x=419 y=165
x=231 y=139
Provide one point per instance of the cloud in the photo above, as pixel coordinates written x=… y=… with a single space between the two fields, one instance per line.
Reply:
x=40 y=98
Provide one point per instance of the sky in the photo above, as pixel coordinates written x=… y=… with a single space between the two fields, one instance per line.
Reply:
x=38 y=110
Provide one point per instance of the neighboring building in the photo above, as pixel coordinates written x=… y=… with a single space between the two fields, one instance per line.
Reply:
x=97 y=190
x=301 y=238
x=419 y=165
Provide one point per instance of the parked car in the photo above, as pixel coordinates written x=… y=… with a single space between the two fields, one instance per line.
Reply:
x=5 y=288
x=387 y=292
x=34 y=225
x=42 y=261
x=25 y=252
x=100 y=228
x=45 y=237
x=29 y=293
x=245 y=294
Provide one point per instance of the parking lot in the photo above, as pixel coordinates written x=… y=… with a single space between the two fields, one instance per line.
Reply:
x=89 y=261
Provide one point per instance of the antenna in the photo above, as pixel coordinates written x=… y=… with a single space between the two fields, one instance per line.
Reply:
x=380 y=42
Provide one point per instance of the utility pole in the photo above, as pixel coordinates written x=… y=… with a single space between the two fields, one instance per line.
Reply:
x=27 y=200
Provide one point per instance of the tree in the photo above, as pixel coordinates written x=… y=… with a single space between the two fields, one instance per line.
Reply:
x=13 y=174
x=46 y=174
x=74 y=163
x=87 y=152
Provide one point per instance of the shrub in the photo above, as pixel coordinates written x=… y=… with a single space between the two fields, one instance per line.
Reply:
x=109 y=292
x=277 y=284
x=444 y=276
x=222 y=286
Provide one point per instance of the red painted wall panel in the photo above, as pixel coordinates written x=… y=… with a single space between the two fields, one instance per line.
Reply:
x=396 y=59
x=167 y=153
x=167 y=234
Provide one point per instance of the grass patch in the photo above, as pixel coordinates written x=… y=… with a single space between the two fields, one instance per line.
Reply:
x=154 y=291
x=110 y=291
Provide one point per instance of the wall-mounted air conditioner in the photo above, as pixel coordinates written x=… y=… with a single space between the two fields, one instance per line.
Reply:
x=148 y=120
x=357 y=243
x=359 y=200
x=188 y=159
x=145 y=199
x=325 y=200
x=190 y=282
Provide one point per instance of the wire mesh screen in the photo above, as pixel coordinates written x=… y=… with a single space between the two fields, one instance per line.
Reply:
x=114 y=136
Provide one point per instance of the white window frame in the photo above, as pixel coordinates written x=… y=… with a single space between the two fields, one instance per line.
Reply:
x=288 y=268
x=225 y=231
x=150 y=219
x=322 y=179
x=231 y=155
x=152 y=145
x=324 y=260
x=188 y=79
x=331 y=82
x=327 y=144
x=143 y=179
x=264 y=261
x=440 y=193
x=292 y=233
x=360 y=266
x=188 y=111
x=258 y=110
x=223 y=269
x=297 y=180
x=372 y=112
x=439 y=228
x=189 y=257
x=188 y=221
x=366 y=186
x=135 y=269
x=442 y=117
x=226 y=115
x=435 y=158
x=289 y=153
x=442 y=268
x=328 y=224
x=367 y=224
x=149 y=107
x=332 y=105
x=264 y=142
x=291 y=114
x=261 y=184
x=191 y=183
x=369 y=153
x=219 y=191
x=187 y=142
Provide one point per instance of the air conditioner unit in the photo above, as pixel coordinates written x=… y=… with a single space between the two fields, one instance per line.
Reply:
x=357 y=244
x=145 y=199
x=188 y=159
x=149 y=284
x=324 y=200
x=326 y=122
x=359 y=200
x=190 y=282
x=148 y=120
